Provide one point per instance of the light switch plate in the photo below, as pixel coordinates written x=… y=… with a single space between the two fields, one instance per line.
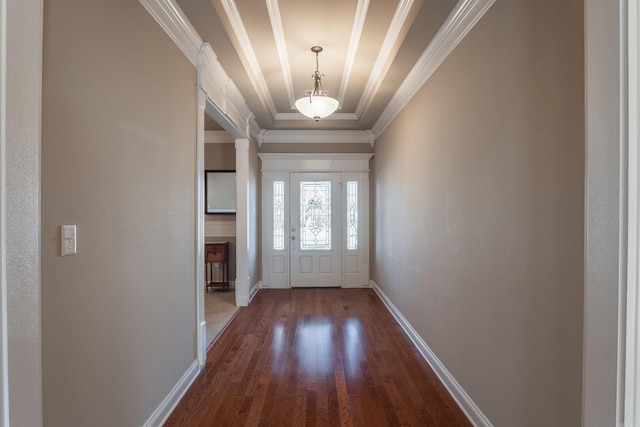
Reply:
x=68 y=240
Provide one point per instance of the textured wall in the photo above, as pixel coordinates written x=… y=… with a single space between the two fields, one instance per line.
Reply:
x=603 y=211
x=479 y=198
x=118 y=160
x=21 y=195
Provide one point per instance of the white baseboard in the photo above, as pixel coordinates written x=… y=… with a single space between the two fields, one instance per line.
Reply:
x=467 y=405
x=254 y=289
x=241 y=302
x=202 y=355
x=162 y=412
x=366 y=285
x=266 y=286
x=244 y=300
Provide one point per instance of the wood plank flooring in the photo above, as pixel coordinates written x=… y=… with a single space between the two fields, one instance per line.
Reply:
x=316 y=357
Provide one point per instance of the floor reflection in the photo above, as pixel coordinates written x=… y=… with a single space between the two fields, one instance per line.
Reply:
x=277 y=344
x=314 y=348
x=320 y=349
x=352 y=347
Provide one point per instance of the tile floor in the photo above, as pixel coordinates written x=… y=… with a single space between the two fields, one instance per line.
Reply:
x=219 y=308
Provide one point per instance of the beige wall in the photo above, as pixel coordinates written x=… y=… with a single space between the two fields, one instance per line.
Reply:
x=479 y=188
x=118 y=160
x=219 y=156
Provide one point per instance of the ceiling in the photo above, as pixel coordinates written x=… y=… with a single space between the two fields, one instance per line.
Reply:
x=370 y=46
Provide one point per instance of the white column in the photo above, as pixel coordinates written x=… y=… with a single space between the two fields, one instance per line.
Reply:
x=243 y=280
x=199 y=229
x=605 y=235
x=632 y=363
x=4 y=362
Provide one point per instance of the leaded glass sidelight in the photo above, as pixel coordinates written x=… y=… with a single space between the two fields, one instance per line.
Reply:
x=278 y=215
x=315 y=215
x=352 y=215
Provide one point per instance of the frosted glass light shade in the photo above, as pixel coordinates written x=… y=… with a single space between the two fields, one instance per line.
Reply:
x=317 y=106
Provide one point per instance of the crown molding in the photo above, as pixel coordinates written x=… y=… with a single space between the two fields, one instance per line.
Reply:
x=254 y=127
x=386 y=54
x=227 y=100
x=315 y=137
x=175 y=23
x=231 y=106
x=461 y=20
x=248 y=54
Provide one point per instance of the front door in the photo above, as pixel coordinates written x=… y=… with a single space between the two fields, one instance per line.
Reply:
x=316 y=229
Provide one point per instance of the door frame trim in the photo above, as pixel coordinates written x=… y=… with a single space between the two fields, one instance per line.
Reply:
x=280 y=165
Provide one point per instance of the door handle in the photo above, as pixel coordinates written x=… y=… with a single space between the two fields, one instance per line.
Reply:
x=293 y=237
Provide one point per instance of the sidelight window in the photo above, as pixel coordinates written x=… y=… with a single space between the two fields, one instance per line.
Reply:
x=352 y=215
x=278 y=215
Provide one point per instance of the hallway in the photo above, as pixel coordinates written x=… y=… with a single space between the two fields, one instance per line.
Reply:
x=316 y=357
x=498 y=197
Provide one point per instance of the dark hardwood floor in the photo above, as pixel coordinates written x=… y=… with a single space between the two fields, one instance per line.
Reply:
x=316 y=357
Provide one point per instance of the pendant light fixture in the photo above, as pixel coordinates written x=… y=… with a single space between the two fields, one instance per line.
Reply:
x=317 y=105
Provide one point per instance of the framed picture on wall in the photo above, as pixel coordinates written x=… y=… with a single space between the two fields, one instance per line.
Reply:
x=220 y=192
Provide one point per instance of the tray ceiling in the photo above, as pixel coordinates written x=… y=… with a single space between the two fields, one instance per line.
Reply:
x=370 y=46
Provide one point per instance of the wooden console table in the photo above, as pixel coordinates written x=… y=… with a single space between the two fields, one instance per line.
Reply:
x=216 y=253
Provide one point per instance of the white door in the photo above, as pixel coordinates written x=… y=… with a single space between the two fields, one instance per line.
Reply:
x=316 y=229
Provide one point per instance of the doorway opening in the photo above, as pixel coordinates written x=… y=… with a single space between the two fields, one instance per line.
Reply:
x=219 y=229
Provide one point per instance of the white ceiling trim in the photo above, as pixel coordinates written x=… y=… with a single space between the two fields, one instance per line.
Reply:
x=177 y=26
x=248 y=54
x=300 y=116
x=386 y=55
x=296 y=162
x=315 y=137
x=218 y=137
x=281 y=45
x=354 y=42
x=212 y=78
x=461 y=20
x=230 y=110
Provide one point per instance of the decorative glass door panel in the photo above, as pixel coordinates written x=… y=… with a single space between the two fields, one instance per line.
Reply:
x=316 y=229
x=315 y=215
